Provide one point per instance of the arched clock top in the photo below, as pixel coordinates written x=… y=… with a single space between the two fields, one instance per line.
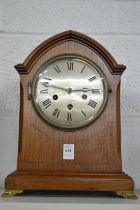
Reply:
x=66 y=36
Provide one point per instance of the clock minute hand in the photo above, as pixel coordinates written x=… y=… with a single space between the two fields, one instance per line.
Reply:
x=46 y=84
x=57 y=87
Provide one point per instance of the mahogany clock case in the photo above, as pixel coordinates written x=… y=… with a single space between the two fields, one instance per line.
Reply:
x=97 y=163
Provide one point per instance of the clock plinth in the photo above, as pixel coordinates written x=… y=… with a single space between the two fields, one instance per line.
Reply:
x=120 y=183
x=52 y=117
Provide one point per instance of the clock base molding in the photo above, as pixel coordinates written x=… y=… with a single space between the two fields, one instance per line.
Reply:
x=116 y=182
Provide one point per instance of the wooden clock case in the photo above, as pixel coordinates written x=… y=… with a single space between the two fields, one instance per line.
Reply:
x=97 y=165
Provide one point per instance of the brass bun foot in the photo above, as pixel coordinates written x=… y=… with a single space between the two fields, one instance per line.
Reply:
x=127 y=194
x=10 y=193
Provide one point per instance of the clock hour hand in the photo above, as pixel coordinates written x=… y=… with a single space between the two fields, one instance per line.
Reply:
x=87 y=90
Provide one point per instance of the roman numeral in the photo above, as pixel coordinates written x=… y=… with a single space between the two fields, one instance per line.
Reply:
x=92 y=78
x=92 y=103
x=45 y=84
x=83 y=113
x=44 y=91
x=56 y=68
x=96 y=91
x=56 y=113
x=42 y=75
x=46 y=103
x=70 y=65
x=69 y=118
x=82 y=69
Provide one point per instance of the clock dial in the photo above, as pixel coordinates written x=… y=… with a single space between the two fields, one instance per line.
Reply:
x=69 y=92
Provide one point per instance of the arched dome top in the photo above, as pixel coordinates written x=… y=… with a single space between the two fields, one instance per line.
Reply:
x=67 y=36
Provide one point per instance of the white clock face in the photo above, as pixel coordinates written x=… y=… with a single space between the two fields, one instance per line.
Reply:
x=69 y=92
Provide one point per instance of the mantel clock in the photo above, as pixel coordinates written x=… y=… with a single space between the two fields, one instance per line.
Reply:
x=69 y=127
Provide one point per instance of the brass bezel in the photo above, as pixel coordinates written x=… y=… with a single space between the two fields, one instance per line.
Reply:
x=37 y=107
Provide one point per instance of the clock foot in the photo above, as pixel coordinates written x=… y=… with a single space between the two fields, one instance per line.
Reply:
x=10 y=193
x=126 y=194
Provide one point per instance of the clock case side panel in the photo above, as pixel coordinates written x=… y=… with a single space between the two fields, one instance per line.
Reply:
x=118 y=122
x=20 y=123
x=25 y=178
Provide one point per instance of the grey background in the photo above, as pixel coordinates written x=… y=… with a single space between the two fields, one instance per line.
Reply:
x=26 y=23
